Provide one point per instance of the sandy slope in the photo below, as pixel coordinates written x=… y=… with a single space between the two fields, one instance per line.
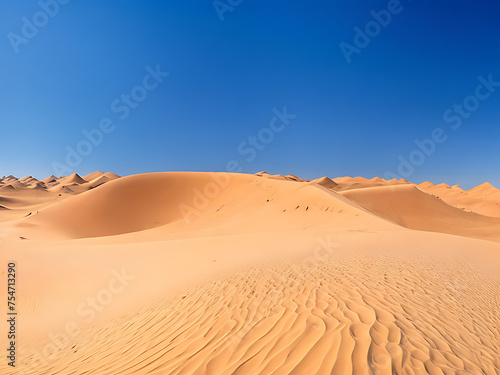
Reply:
x=408 y=206
x=483 y=199
x=198 y=273
x=25 y=196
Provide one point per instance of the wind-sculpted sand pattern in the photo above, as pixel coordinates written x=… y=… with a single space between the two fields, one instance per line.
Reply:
x=348 y=314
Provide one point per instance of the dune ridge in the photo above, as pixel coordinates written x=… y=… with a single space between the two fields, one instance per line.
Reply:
x=36 y=194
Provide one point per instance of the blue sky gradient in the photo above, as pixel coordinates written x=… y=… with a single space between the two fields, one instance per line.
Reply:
x=231 y=67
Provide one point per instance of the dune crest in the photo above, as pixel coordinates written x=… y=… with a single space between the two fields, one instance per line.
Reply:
x=483 y=199
x=326 y=182
x=34 y=195
x=93 y=176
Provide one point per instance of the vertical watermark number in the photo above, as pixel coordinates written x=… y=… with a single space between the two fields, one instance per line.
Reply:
x=11 y=313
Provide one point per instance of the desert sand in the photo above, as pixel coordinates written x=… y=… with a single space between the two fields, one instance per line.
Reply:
x=217 y=273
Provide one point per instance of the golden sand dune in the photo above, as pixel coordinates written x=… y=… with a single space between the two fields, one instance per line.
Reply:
x=327 y=183
x=28 y=195
x=483 y=199
x=407 y=206
x=202 y=273
x=186 y=202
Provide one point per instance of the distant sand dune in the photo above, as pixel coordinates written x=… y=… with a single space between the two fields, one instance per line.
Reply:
x=33 y=195
x=483 y=199
x=93 y=176
x=326 y=182
x=407 y=206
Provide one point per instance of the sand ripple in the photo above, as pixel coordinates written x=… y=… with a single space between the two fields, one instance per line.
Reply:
x=341 y=315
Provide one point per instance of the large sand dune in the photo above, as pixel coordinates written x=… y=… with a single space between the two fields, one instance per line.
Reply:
x=408 y=206
x=208 y=273
x=483 y=199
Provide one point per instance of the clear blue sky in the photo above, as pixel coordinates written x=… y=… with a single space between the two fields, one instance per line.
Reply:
x=226 y=77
